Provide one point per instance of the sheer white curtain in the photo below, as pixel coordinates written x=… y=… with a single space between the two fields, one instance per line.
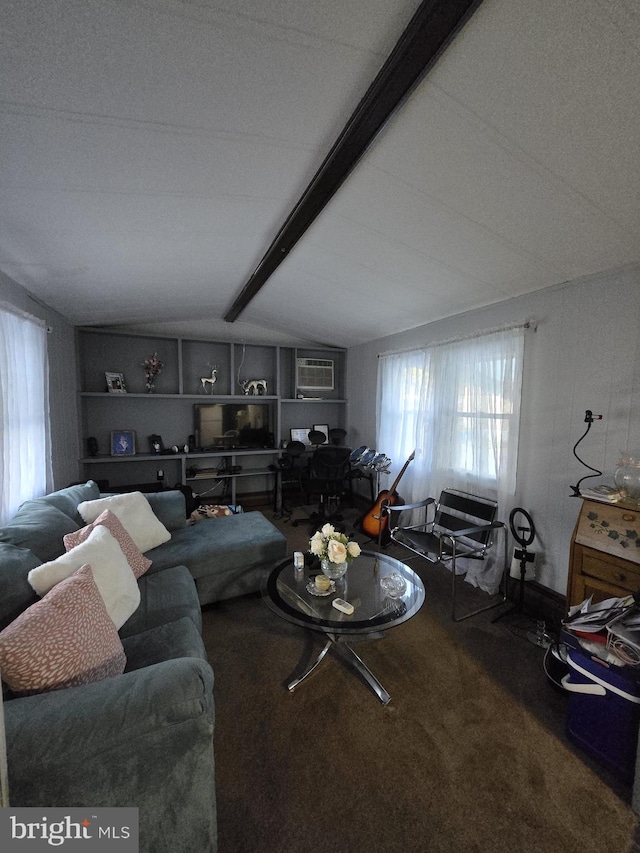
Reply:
x=25 y=454
x=402 y=378
x=458 y=405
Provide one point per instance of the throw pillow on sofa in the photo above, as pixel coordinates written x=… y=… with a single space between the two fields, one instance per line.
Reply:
x=137 y=517
x=64 y=640
x=111 y=571
x=136 y=559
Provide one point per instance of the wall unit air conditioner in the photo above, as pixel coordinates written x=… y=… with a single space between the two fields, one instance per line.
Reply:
x=314 y=374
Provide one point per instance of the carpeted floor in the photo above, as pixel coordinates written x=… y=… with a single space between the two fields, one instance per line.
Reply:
x=470 y=754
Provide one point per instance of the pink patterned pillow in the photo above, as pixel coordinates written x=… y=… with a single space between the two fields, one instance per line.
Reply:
x=138 y=562
x=64 y=640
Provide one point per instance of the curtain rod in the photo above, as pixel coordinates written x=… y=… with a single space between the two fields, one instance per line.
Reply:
x=528 y=324
x=24 y=315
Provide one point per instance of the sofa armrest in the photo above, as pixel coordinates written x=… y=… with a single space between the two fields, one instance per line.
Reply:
x=78 y=724
x=142 y=739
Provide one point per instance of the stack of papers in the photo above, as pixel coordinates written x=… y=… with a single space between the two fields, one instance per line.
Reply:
x=609 y=629
x=627 y=626
x=606 y=494
x=591 y=618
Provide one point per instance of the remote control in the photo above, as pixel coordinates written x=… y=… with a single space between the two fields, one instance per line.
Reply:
x=344 y=606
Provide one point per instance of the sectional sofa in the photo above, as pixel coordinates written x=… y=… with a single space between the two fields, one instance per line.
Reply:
x=135 y=726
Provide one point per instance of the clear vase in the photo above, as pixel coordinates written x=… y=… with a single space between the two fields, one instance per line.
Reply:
x=151 y=387
x=627 y=475
x=333 y=570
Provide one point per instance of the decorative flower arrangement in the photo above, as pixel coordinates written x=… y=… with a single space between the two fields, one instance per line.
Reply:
x=152 y=369
x=328 y=544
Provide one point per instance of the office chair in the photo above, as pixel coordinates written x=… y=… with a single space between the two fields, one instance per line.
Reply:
x=326 y=479
x=337 y=435
x=316 y=437
x=289 y=471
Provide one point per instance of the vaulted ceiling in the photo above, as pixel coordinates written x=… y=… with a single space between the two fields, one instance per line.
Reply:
x=150 y=151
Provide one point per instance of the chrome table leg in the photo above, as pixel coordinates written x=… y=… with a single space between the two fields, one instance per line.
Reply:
x=354 y=660
x=292 y=685
x=363 y=670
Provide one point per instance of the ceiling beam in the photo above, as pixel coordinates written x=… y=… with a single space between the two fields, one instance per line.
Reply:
x=432 y=28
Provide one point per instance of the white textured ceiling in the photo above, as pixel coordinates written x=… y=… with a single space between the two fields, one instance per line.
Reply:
x=151 y=149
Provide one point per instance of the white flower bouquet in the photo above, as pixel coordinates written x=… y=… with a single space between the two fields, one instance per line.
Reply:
x=328 y=544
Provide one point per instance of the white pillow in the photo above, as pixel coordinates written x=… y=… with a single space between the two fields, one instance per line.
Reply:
x=136 y=515
x=111 y=572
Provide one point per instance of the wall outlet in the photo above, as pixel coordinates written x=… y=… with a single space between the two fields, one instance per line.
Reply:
x=159 y=474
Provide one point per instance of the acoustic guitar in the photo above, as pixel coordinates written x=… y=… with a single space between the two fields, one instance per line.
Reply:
x=375 y=523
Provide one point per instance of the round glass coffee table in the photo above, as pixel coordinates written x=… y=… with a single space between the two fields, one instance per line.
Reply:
x=297 y=601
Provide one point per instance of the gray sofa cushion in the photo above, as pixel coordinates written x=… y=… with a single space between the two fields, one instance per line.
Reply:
x=169 y=508
x=179 y=639
x=164 y=597
x=222 y=586
x=17 y=594
x=220 y=545
x=40 y=527
x=67 y=500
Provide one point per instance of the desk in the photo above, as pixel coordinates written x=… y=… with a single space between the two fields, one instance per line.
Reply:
x=605 y=552
x=279 y=508
x=228 y=479
x=355 y=473
x=605 y=563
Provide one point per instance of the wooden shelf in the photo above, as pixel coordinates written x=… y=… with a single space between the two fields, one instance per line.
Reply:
x=213 y=475
x=170 y=411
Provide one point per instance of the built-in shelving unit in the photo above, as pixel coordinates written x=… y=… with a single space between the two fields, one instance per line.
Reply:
x=170 y=410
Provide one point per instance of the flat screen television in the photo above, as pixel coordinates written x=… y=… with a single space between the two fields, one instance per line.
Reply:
x=226 y=426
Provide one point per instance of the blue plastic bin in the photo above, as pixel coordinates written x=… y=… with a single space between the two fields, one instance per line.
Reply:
x=604 y=710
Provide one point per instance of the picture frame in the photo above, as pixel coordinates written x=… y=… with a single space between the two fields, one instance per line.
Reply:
x=123 y=442
x=300 y=434
x=156 y=445
x=324 y=429
x=115 y=382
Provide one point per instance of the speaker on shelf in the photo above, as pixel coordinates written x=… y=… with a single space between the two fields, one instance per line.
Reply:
x=92 y=446
x=192 y=443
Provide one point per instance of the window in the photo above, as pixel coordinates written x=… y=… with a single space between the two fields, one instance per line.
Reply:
x=25 y=462
x=458 y=406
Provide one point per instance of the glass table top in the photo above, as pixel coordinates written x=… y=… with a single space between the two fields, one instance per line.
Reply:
x=374 y=610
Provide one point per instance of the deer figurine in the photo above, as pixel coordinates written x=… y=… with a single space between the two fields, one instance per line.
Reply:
x=254 y=386
x=209 y=380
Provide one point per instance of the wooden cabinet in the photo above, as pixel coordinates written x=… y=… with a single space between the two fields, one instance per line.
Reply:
x=605 y=552
x=170 y=411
